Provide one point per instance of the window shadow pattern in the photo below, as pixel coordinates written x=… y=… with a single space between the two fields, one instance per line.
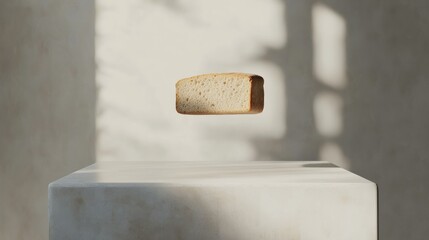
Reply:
x=385 y=115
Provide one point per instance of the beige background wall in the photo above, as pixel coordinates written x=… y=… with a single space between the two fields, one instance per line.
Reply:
x=47 y=106
x=346 y=81
x=144 y=47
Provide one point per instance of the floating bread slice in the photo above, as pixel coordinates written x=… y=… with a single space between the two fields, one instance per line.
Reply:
x=221 y=93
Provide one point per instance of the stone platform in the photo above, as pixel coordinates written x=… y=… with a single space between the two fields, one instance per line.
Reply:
x=213 y=200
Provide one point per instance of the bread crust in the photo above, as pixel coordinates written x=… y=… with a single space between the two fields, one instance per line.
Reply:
x=257 y=94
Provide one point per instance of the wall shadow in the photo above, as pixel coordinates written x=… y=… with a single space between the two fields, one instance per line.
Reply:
x=385 y=103
x=301 y=141
x=47 y=106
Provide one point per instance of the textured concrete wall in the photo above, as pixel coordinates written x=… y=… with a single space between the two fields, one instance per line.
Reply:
x=362 y=104
x=144 y=47
x=382 y=100
x=346 y=81
x=47 y=106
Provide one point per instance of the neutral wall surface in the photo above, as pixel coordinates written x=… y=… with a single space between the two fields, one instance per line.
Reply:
x=382 y=93
x=144 y=47
x=346 y=82
x=47 y=106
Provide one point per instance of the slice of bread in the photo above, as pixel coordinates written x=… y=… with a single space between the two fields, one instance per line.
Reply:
x=220 y=93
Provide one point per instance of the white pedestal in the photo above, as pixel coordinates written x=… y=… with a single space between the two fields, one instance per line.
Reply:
x=213 y=200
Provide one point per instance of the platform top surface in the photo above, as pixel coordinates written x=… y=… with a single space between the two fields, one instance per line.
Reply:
x=209 y=173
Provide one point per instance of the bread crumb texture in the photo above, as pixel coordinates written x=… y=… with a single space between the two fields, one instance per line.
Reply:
x=220 y=93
